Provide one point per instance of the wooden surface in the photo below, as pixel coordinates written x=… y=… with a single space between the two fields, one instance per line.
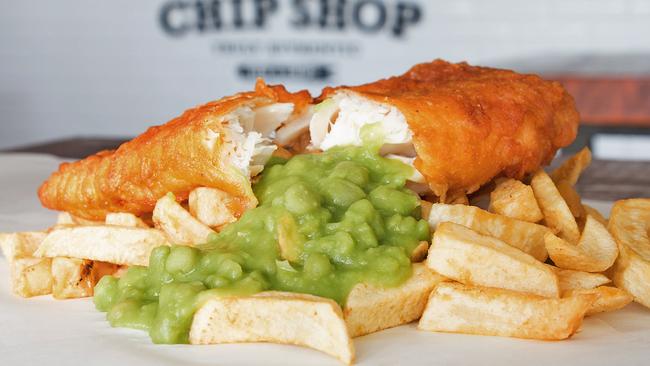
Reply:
x=603 y=180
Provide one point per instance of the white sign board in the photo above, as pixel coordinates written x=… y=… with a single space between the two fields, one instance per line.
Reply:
x=90 y=68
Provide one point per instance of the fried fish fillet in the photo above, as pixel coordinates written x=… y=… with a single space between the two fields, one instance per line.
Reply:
x=219 y=144
x=463 y=125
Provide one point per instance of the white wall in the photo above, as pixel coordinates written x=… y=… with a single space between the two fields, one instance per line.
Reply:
x=72 y=67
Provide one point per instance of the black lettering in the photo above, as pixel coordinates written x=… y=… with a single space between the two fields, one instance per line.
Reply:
x=215 y=14
x=263 y=8
x=238 y=14
x=407 y=14
x=201 y=23
x=332 y=12
x=364 y=25
x=167 y=12
x=302 y=13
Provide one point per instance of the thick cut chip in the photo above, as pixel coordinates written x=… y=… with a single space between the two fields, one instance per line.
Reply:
x=112 y=244
x=515 y=199
x=179 y=225
x=419 y=253
x=571 y=169
x=522 y=235
x=595 y=214
x=596 y=250
x=468 y=257
x=287 y=318
x=74 y=278
x=609 y=298
x=20 y=245
x=572 y=199
x=370 y=309
x=28 y=276
x=457 y=308
x=31 y=276
x=629 y=224
x=557 y=214
x=211 y=206
x=576 y=280
x=426 y=208
x=124 y=219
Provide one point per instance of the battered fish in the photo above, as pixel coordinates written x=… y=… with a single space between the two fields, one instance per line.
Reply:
x=460 y=125
x=219 y=144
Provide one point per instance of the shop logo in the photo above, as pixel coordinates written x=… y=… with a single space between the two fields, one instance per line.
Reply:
x=179 y=18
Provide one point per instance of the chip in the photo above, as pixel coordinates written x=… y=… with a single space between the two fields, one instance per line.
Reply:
x=468 y=257
x=608 y=298
x=595 y=214
x=426 y=208
x=210 y=206
x=572 y=199
x=125 y=219
x=522 y=235
x=571 y=169
x=20 y=245
x=370 y=309
x=557 y=214
x=28 y=276
x=287 y=318
x=515 y=199
x=76 y=278
x=457 y=308
x=112 y=244
x=629 y=224
x=596 y=250
x=31 y=276
x=419 y=253
x=179 y=225
x=575 y=280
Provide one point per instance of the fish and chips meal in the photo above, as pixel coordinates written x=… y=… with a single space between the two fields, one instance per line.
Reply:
x=271 y=216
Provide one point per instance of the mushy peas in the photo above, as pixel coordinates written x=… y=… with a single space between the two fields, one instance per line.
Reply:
x=325 y=223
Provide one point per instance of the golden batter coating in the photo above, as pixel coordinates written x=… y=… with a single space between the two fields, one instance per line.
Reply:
x=169 y=158
x=471 y=124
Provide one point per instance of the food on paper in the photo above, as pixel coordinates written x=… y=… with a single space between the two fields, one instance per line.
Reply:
x=107 y=243
x=512 y=198
x=369 y=308
x=466 y=256
x=595 y=251
x=286 y=318
x=459 y=308
x=629 y=223
x=269 y=216
x=522 y=235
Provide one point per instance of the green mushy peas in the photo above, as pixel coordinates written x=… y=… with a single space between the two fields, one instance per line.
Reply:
x=325 y=222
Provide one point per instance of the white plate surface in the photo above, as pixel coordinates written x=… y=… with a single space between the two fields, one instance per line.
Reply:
x=71 y=332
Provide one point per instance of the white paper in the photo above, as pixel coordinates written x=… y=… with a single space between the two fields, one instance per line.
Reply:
x=71 y=332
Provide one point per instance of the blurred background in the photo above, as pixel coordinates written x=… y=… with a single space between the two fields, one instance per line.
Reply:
x=77 y=76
